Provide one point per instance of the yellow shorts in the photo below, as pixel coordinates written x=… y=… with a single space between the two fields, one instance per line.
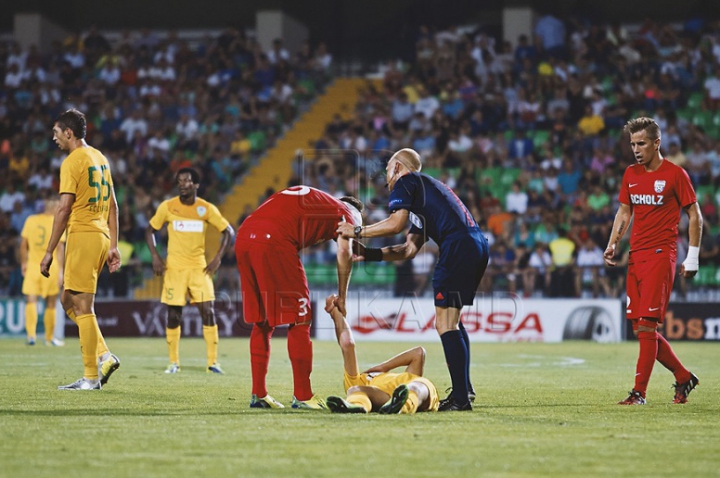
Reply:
x=85 y=256
x=178 y=284
x=387 y=382
x=35 y=283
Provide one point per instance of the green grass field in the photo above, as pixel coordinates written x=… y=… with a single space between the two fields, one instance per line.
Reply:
x=542 y=410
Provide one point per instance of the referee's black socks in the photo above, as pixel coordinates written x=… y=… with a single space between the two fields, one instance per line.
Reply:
x=456 y=356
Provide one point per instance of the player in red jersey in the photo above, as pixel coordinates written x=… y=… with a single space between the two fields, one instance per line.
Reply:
x=274 y=285
x=653 y=192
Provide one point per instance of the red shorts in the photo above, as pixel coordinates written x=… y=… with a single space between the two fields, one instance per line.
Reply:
x=273 y=283
x=649 y=284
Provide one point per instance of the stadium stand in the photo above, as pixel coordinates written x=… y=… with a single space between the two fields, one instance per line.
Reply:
x=529 y=138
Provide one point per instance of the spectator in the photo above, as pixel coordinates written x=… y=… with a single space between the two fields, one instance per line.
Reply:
x=516 y=200
x=591 y=269
x=675 y=155
x=562 y=251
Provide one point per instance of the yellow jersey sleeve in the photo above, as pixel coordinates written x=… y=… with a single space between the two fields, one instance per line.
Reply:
x=216 y=219
x=160 y=217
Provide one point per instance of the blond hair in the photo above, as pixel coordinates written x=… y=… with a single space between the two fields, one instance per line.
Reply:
x=408 y=158
x=643 y=123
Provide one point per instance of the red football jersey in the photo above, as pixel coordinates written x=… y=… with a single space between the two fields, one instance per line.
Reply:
x=300 y=215
x=656 y=198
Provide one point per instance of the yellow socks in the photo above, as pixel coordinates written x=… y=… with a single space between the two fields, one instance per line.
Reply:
x=49 y=321
x=412 y=403
x=211 y=342
x=88 y=331
x=360 y=399
x=101 y=347
x=173 y=341
x=31 y=319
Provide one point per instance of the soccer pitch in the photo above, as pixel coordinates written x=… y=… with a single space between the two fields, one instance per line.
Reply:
x=542 y=410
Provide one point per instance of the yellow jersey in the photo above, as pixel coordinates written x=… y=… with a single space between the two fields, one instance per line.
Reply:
x=186 y=230
x=86 y=174
x=36 y=231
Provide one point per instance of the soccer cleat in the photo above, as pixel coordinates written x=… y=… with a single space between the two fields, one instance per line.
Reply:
x=107 y=368
x=82 y=384
x=30 y=341
x=313 y=403
x=396 y=402
x=635 y=398
x=55 y=343
x=449 y=405
x=215 y=368
x=682 y=390
x=173 y=368
x=338 y=405
x=266 y=402
x=445 y=401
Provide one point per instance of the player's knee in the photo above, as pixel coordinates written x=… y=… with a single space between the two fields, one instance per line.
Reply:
x=419 y=354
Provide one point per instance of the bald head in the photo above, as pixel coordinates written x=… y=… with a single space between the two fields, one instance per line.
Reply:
x=408 y=158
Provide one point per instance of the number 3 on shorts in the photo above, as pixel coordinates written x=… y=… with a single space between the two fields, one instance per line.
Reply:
x=303 y=307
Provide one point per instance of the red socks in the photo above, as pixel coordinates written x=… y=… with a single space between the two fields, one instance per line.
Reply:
x=646 y=359
x=300 y=352
x=259 y=358
x=648 y=352
x=667 y=357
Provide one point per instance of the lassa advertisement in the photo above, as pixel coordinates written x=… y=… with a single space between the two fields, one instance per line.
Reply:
x=488 y=320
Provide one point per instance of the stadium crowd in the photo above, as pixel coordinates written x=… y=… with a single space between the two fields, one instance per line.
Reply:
x=154 y=105
x=528 y=134
x=530 y=137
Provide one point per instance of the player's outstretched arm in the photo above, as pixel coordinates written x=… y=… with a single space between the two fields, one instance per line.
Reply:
x=620 y=226
x=394 y=224
x=413 y=359
x=344 y=336
x=691 y=264
x=157 y=262
x=62 y=214
x=344 y=270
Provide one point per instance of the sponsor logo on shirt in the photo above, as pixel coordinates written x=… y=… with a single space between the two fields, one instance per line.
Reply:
x=395 y=201
x=648 y=199
x=188 y=226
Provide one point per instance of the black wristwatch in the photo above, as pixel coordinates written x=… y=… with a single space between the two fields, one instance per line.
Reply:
x=358 y=230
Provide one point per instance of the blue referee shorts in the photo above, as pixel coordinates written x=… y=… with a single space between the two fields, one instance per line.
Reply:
x=460 y=268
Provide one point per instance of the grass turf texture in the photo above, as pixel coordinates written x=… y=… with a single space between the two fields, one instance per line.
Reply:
x=542 y=410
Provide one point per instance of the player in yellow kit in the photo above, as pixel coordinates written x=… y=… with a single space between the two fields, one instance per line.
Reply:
x=88 y=210
x=378 y=389
x=186 y=272
x=35 y=237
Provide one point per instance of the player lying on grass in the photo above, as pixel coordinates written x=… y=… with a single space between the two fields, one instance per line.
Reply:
x=378 y=389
